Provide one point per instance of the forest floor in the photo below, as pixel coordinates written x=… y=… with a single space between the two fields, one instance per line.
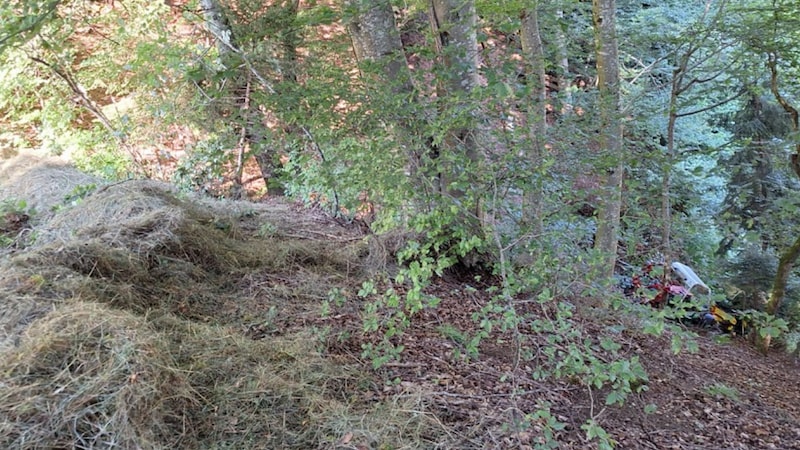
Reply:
x=726 y=396
x=134 y=316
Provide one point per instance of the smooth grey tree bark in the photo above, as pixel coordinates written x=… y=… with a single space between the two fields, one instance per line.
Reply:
x=454 y=24
x=610 y=138
x=533 y=51
x=563 y=63
x=376 y=38
x=218 y=26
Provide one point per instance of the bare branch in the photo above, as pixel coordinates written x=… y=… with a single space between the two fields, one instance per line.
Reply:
x=715 y=105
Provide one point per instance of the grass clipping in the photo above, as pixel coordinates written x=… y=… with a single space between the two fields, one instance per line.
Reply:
x=45 y=183
x=88 y=376
x=121 y=327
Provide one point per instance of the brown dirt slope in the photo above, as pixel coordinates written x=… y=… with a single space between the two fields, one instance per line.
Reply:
x=726 y=396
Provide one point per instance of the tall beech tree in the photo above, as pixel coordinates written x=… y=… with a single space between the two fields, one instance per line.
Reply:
x=789 y=255
x=699 y=61
x=377 y=45
x=533 y=51
x=454 y=24
x=376 y=39
x=609 y=139
x=772 y=28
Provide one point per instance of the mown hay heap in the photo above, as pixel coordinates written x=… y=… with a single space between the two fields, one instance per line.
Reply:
x=89 y=376
x=45 y=183
x=123 y=322
x=141 y=245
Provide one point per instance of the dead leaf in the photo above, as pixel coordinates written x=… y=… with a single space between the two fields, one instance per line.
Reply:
x=346 y=438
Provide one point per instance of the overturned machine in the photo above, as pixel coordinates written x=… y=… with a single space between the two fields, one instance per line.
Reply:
x=689 y=279
x=683 y=284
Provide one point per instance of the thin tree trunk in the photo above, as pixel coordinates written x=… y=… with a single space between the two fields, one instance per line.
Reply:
x=563 y=63
x=666 y=190
x=533 y=50
x=251 y=129
x=455 y=26
x=669 y=160
x=610 y=206
x=677 y=88
x=785 y=266
x=241 y=151
x=290 y=39
x=268 y=157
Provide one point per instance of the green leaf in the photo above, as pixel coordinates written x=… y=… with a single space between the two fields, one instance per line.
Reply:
x=608 y=344
x=319 y=15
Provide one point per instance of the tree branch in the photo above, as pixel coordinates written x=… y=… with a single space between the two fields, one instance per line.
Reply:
x=89 y=105
x=715 y=105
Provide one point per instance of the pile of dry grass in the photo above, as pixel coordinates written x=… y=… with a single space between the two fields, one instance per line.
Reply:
x=147 y=219
x=141 y=245
x=123 y=322
x=134 y=245
x=88 y=376
x=45 y=183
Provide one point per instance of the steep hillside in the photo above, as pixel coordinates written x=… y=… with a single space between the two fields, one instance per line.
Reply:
x=135 y=316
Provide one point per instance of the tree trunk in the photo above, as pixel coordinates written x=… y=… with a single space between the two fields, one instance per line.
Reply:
x=248 y=114
x=218 y=26
x=610 y=140
x=268 y=158
x=669 y=161
x=790 y=255
x=785 y=266
x=666 y=187
x=563 y=63
x=375 y=37
x=679 y=86
x=533 y=51
x=455 y=27
x=290 y=39
x=220 y=30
